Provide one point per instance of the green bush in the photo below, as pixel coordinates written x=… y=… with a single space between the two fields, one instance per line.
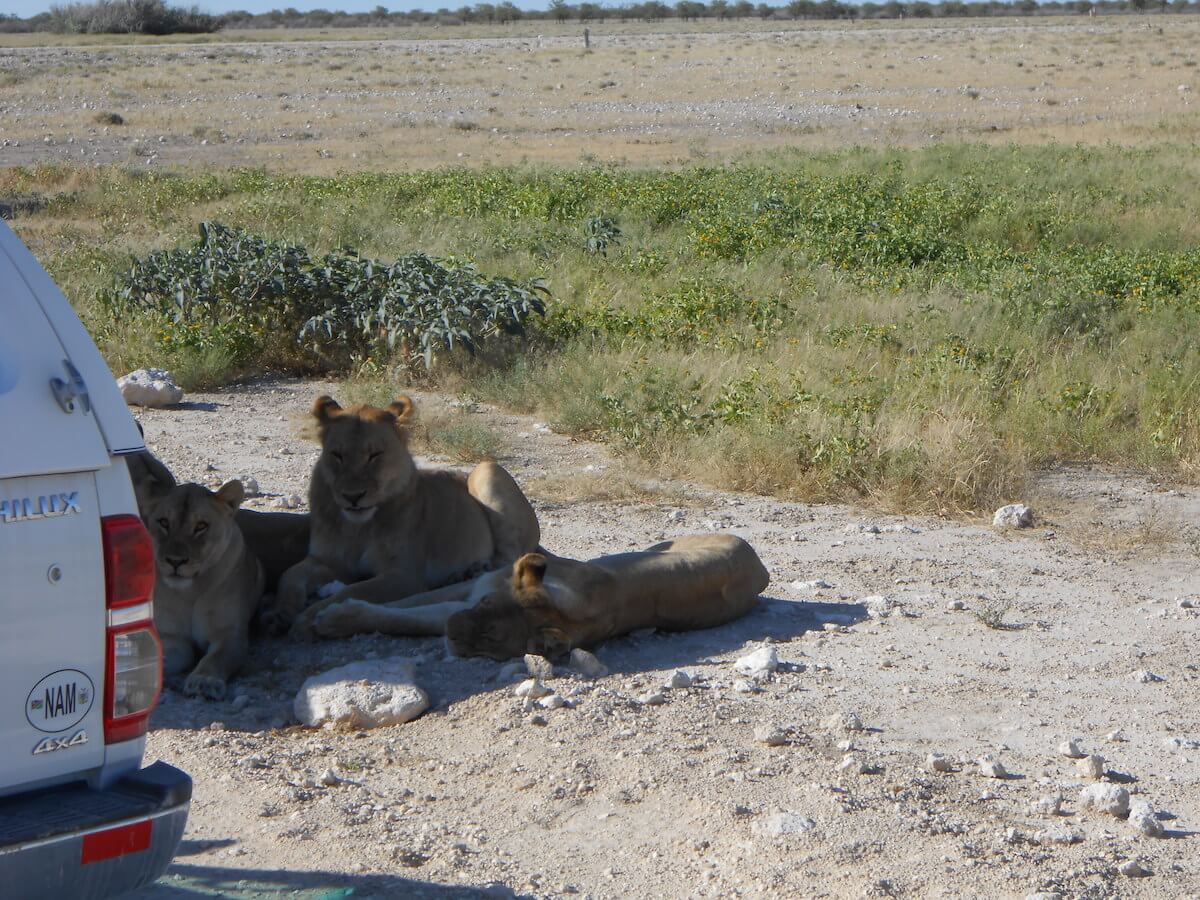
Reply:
x=239 y=292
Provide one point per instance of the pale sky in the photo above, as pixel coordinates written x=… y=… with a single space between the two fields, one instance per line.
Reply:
x=26 y=8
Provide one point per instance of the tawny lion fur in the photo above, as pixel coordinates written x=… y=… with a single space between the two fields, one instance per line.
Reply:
x=548 y=605
x=208 y=585
x=386 y=530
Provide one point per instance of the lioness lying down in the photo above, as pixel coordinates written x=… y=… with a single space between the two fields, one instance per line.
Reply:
x=208 y=585
x=382 y=529
x=547 y=604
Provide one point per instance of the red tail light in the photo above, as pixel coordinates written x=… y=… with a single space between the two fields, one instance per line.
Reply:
x=133 y=671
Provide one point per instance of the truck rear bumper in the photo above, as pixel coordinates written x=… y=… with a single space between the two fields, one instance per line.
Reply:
x=81 y=843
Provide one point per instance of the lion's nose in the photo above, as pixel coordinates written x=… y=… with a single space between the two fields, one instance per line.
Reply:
x=354 y=498
x=176 y=561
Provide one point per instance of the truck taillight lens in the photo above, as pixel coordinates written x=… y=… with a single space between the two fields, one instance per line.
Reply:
x=133 y=673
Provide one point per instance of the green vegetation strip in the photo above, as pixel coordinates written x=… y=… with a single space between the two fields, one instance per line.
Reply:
x=922 y=328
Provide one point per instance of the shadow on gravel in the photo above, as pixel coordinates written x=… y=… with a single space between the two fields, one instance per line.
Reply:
x=773 y=618
x=261 y=697
x=189 y=882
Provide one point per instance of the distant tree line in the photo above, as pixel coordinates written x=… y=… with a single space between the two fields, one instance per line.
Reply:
x=156 y=17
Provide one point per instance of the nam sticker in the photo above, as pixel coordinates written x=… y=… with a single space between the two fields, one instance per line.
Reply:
x=60 y=701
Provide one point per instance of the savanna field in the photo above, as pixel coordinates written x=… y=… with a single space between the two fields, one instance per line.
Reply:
x=924 y=327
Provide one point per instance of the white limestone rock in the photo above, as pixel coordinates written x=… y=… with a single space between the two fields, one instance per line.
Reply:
x=1014 y=515
x=153 y=388
x=1108 y=799
x=365 y=694
x=758 y=664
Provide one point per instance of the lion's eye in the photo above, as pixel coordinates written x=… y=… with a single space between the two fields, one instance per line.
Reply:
x=200 y=528
x=163 y=524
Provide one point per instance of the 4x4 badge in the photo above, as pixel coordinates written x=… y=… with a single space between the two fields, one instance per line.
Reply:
x=50 y=744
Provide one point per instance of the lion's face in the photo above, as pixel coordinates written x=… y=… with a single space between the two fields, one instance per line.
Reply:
x=364 y=454
x=518 y=617
x=192 y=527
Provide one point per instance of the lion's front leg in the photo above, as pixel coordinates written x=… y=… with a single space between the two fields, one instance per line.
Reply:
x=384 y=588
x=295 y=587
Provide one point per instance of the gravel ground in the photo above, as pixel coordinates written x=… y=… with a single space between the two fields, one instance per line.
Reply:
x=812 y=780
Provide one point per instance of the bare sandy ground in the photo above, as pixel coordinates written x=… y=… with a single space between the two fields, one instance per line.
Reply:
x=647 y=94
x=613 y=797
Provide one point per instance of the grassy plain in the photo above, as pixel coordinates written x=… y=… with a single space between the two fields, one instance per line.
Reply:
x=644 y=95
x=910 y=263
x=922 y=327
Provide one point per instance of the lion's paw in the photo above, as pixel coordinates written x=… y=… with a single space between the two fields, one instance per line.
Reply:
x=328 y=590
x=208 y=687
x=341 y=619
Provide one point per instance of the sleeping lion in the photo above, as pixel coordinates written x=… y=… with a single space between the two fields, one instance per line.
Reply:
x=549 y=605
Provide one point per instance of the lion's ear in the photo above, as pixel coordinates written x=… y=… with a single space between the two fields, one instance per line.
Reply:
x=551 y=643
x=403 y=409
x=151 y=479
x=325 y=408
x=528 y=573
x=231 y=493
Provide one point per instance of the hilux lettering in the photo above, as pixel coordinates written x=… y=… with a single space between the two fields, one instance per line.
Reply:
x=23 y=509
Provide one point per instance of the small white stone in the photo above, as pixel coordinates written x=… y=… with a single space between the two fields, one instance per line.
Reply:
x=1108 y=799
x=1116 y=737
x=1044 y=895
x=832 y=627
x=554 y=701
x=538 y=666
x=843 y=721
x=758 y=664
x=678 y=680
x=1178 y=743
x=250 y=485
x=532 y=688
x=1015 y=515
x=880 y=607
x=587 y=665
x=654 y=698
x=937 y=762
x=1049 y=806
x=1058 y=834
x=1091 y=766
x=1144 y=676
x=770 y=735
x=955 y=606
x=852 y=765
x=779 y=825
x=818 y=584
x=742 y=686
x=1133 y=869
x=991 y=767
x=1143 y=819
x=1187 y=603
x=1071 y=749
x=329 y=778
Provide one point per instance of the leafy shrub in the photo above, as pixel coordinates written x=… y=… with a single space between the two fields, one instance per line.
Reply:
x=238 y=291
x=130 y=17
x=601 y=234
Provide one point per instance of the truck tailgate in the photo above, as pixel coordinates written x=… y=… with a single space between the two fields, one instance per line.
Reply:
x=52 y=645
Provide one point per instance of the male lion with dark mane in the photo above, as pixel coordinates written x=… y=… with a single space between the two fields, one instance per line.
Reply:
x=549 y=605
x=383 y=530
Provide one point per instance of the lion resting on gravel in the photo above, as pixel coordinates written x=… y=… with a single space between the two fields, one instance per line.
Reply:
x=548 y=605
x=382 y=529
x=208 y=585
x=278 y=540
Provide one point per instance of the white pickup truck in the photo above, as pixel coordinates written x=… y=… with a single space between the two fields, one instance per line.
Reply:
x=80 y=661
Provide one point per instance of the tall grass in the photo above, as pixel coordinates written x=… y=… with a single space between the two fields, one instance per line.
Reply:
x=922 y=328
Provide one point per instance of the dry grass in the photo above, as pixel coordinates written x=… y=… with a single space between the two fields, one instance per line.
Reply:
x=609 y=486
x=645 y=94
x=1143 y=532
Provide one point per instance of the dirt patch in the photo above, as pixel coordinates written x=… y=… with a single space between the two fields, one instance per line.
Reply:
x=729 y=787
